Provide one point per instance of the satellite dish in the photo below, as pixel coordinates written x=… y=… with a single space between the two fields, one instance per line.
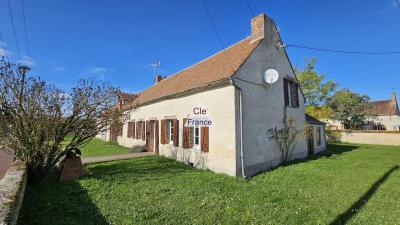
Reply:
x=271 y=76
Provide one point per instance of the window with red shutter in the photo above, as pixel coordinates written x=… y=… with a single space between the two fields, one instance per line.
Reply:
x=204 y=139
x=185 y=135
x=176 y=133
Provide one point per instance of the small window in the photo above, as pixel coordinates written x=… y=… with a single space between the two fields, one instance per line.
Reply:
x=196 y=137
x=319 y=135
x=291 y=93
x=170 y=132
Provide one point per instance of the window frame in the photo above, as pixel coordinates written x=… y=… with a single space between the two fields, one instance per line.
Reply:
x=319 y=136
x=196 y=146
x=289 y=85
x=170 y=133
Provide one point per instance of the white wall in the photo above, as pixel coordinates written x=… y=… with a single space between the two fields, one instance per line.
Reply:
x=263 y=108
x=374 y=138
x=219 y=103
x=390 y=122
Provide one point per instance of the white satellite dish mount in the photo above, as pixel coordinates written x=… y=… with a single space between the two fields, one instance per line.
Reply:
x=271 y=76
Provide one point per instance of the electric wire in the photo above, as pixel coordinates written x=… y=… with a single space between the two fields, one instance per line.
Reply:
x=250 y=8
x=344 y=51
x=14 y=30
x=213 y=24
x=25 y=28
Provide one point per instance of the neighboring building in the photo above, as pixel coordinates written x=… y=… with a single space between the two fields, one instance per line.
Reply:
x=229 y=89
x=384 y=115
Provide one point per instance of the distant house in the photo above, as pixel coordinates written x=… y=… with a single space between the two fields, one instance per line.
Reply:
x=228 y=90
x=384 y=115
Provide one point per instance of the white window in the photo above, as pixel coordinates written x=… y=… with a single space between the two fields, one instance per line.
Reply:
x=170 y=128
x=196 y=138
x=319 y=136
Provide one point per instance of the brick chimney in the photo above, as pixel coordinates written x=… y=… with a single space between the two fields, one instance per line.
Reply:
x=158 y=78
x=394 y=103
x=262 y=27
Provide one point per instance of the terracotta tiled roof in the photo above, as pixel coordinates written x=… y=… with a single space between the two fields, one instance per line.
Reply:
x=221 y=66
x=385 y=107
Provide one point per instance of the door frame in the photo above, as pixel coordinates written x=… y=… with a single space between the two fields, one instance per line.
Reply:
x=152 y=125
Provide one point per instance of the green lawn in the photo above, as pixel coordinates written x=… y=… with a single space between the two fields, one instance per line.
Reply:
x=355 y=184
x=97 y=147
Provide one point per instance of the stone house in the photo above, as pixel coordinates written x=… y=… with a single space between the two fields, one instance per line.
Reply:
x=382 y=115
x=229 y=91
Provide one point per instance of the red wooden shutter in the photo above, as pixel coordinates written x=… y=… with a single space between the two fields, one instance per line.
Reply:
x=185 y=135
x=163 y=129
x=204 y=139
x=285 y=91
x=133 y=129
x=176 y=132
x=143 y=131
x=137 y=125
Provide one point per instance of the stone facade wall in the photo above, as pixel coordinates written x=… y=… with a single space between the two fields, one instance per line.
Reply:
x=380 y=138
x=12 y=189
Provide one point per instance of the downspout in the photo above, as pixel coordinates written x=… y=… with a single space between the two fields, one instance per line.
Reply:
x=241 y=127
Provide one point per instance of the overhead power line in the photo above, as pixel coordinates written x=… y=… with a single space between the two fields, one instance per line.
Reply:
x=15 y=33
x=25 y=28
x=344 y=51
x=250 y=8
x=213 y=24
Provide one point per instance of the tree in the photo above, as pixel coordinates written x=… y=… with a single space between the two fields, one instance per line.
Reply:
x=315 y=91
x=35 y=117
x=286 y=137
x=349 y=108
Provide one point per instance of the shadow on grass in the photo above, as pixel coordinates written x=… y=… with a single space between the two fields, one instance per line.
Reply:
x=59 y=203
x=147 y=168
x=356 y=207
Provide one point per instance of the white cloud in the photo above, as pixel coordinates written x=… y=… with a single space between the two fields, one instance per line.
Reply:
x=27 y=61
x=98 y=70
x=4 y=52
x=58 y=69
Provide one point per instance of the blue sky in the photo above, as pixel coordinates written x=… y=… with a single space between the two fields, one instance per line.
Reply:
x=117 y=40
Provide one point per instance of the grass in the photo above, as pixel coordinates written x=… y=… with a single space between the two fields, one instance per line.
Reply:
x=97 y=147
x=353 y=184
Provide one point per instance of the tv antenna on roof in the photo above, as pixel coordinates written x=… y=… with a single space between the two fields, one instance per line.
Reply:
x=155 y=66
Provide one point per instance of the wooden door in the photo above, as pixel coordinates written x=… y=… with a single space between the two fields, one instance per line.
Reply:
x=150 y=135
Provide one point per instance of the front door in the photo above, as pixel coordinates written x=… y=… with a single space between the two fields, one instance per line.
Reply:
x=151 y=136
